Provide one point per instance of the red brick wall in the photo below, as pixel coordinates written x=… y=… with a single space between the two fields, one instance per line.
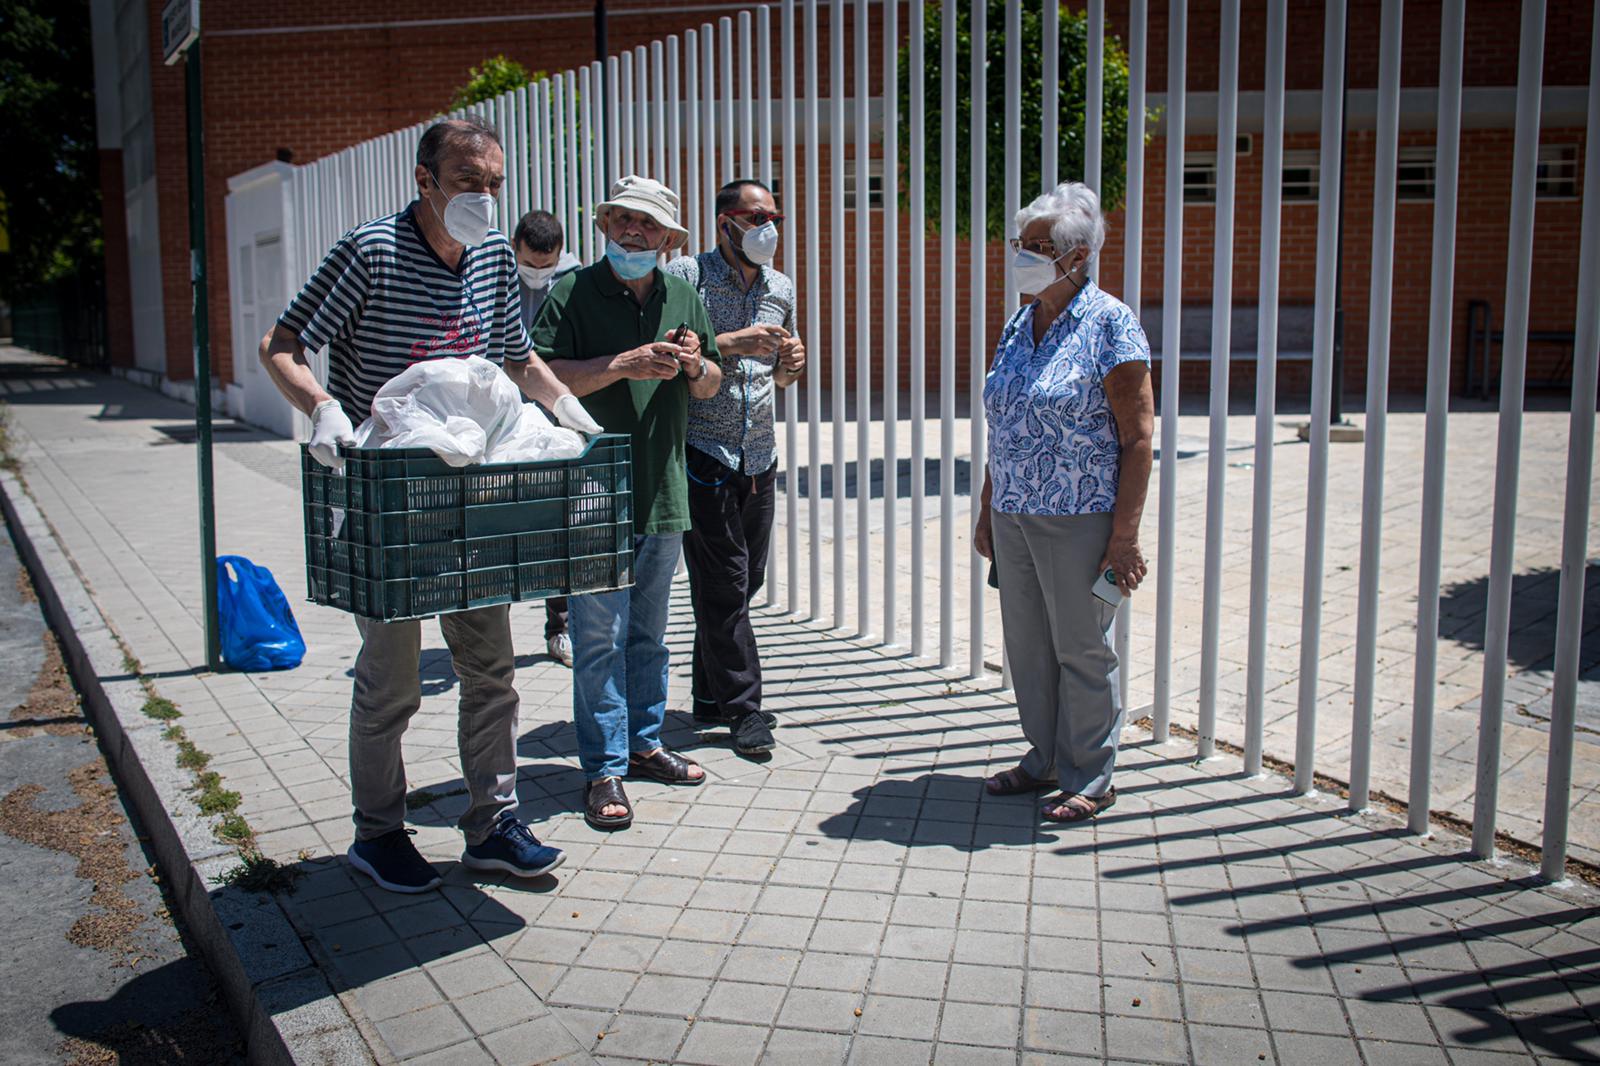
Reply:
x=119 y=298
x=319 y=92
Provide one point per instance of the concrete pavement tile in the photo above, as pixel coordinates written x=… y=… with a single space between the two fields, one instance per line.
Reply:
x=633 y=1036
x=592 y=989
x=641 y=919
x=1061 y=953
x=981 y=1024
x=531 y=1042
x=1216 y=1045
x=814 y=1008
x=721 y=1044
x=1145 y=1039
x=1384 y=1053
x=1403 y=1022
x=792 y=1047
x=777 y=931
x=1297 y=1012
x=612 y=951
x=719 y=927
x=397 y=995
x=1219 y=967
x=540 y=977
x=499 y=1008
x=421 y=1031
x=843 y=972
x=770 y=966
x=971 y=983
x=1313 y=1050
x=898 y=1016
x=1221 y=1004
x=994 y=949
x=475 y=973
x=469 y=1053
x=1068 y=1032
x=550 y=945
x=966 y=1055
x=1064 y=991
x=886 y=1051
x=847 y=938
x=913 y=942
x=665 y=994
x=736 y=1001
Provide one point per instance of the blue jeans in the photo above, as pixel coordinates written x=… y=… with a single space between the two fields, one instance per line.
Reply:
x=619 y=661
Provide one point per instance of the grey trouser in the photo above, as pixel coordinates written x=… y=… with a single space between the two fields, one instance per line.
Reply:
x=388 y=692
x=1058 y=635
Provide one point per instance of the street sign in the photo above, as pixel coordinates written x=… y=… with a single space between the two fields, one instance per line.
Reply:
x=180 y=27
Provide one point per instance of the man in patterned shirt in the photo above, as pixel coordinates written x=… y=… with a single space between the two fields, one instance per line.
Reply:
x=732 y=455
x=434 y=281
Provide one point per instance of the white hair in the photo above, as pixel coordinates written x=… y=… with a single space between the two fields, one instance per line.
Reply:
x=1075 y=219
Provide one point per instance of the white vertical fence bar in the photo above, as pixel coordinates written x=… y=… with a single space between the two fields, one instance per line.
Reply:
x=725 y=110
x=578 y=238
x=1094 y=91
x=747 y=155
x=1050 y=121
x=891 y=318
x=1013 y=162
x=641 y=112
x=624 y=109
x=557 y=148
x=836 y=348
x=602 y=152
x=791 y=400
x=1133 y=261
x=510 y=146
x=978 y=215
x=764 y=161
x=1441 y=310
x=574 y=180
x=1221 y=339
x=693 y=208
x=1575 y=521
x=947 y=334
x=1266 y=385
x=525 y=168
x=1383 y=206
x=1508 y=458
x=918 y=250
x=541 y=146
x=1171 y=306
x=658 y=114
x=674 y=108
x=613 y=123
x=1327 y=279
x=863 y=352
x=813 y=307
x=708 y=135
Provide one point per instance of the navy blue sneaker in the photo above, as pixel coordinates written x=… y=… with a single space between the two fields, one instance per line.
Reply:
x=513 y=849
x=394 y=862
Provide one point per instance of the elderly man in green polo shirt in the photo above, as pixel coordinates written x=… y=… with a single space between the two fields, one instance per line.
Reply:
x=633 y=343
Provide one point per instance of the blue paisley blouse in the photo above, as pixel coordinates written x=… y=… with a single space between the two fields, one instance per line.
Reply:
x=1053 y=447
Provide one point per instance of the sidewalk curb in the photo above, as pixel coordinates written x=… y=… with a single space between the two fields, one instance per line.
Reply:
x=282 y=1002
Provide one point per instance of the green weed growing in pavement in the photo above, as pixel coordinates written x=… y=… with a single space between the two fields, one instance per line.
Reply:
x=234 y=829
x=161 y=709
x=257 y=873
x=131 y=665
x=173 y=732
x=211 y=797
x=191 y=757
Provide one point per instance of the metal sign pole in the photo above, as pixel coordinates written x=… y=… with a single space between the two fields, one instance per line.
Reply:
x=181 y=38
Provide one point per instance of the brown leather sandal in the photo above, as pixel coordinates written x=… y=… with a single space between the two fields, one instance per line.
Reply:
x=597 y=796
x=1013 y=782
x=1078 y=807
x=665 y=766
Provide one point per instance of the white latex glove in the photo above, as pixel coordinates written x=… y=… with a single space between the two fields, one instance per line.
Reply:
x=330 y=427
x=570 y=413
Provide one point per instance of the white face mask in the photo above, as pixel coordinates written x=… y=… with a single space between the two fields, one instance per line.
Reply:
x=1034 y=272
x=758 y=243
x=535 y=277
x=468 y=216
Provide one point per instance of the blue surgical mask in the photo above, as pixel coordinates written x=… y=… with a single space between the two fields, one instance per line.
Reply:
x=630 y=266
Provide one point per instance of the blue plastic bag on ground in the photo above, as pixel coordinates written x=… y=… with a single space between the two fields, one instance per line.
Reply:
x=258 y=629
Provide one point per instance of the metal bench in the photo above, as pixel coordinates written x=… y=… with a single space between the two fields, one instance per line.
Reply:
x=1295 y=324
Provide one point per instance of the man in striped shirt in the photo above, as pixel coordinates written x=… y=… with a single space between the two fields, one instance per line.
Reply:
x=433 y=281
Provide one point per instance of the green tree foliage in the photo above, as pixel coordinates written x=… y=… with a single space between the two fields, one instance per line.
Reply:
x=1074 y=70
x=497 y=75
x=49 y=183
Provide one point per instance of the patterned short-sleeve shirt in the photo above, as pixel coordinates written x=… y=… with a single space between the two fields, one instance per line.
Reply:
x=735 y=426
x=1053 y=446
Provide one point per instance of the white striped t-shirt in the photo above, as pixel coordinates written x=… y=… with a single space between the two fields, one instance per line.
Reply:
x=383 y=300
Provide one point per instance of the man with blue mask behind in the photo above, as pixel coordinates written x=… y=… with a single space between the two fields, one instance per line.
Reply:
x=634 y=342
x=733 y=456
x=433 y=281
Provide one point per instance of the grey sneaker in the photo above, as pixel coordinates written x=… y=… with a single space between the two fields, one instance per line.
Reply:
x=560 y=649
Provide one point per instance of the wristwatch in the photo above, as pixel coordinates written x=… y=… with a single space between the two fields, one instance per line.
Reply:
x=702 y=373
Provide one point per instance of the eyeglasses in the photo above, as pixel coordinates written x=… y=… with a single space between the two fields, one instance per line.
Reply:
x=760 y=218
x=1046 y=248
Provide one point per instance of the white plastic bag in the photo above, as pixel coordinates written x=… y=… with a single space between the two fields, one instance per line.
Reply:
x=466 y=411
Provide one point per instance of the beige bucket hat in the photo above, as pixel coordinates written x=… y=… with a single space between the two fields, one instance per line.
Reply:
x=648 y=197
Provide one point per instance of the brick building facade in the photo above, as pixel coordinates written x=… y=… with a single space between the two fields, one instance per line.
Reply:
x=314 y=78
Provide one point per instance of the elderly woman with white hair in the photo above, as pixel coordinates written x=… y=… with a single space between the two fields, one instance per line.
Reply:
x=1070 y=412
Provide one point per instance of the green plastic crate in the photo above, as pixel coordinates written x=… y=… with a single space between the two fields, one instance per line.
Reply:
x=402 y=534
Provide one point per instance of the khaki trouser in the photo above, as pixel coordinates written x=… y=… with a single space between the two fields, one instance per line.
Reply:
x=388 y=692
x=1057 y=633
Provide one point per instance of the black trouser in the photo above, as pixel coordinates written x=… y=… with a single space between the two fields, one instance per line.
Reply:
x=555 y=616
x=726 y=551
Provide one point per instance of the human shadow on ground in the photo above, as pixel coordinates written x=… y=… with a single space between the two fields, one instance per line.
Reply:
x=144 y=1021
x=1534 y=594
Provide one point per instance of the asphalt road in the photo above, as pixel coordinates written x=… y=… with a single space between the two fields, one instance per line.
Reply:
x=96 y=970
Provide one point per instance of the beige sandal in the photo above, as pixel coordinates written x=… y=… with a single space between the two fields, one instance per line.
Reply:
x=1078 y=807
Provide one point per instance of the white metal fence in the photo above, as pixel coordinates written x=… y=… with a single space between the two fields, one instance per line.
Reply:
x=696 y=112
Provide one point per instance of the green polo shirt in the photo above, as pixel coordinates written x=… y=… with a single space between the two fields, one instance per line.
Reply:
x=589 y=313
